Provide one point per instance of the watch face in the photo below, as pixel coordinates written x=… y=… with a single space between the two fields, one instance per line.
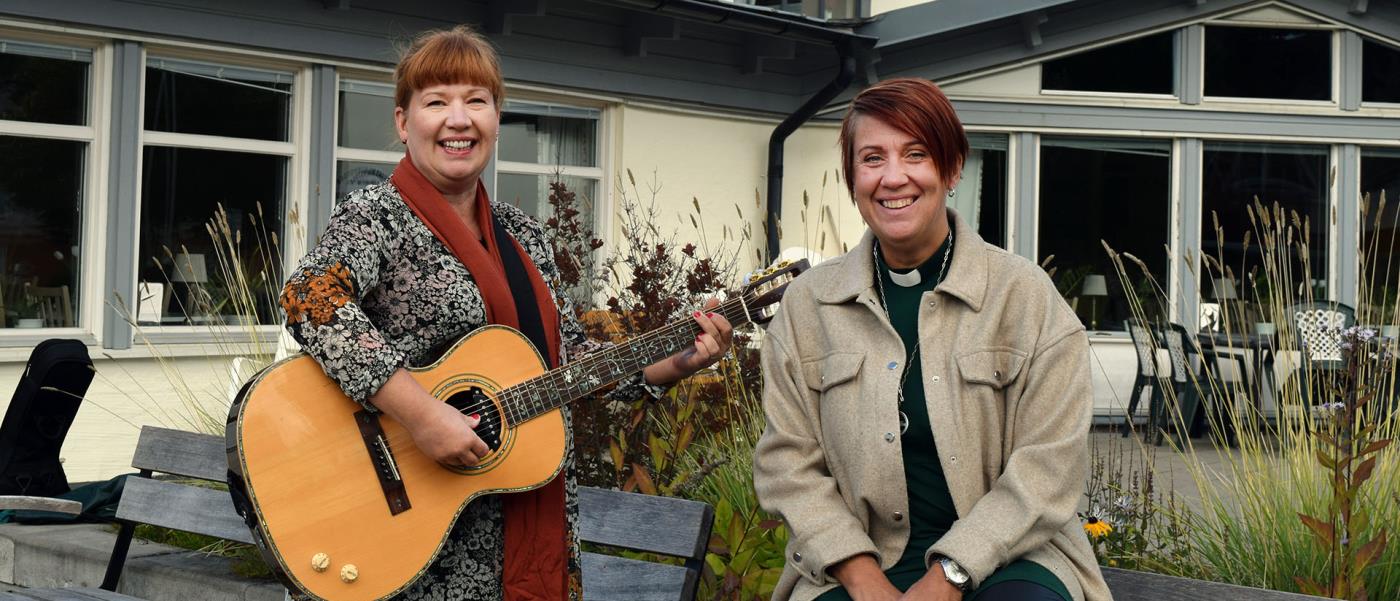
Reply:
x=954 y=572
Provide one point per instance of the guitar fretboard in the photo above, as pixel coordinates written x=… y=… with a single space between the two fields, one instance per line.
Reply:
x=552 y=390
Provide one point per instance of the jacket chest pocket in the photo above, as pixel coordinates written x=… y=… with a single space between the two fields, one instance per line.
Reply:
x=834 y=376
x=990 y=370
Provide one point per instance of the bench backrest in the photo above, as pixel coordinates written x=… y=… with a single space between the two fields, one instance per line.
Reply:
x=1129 y=585
x=636 y=522
x=674 y=527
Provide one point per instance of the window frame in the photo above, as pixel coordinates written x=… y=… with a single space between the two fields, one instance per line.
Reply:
x=88 y=305
x=346 y=153
x=1361 y=71
x=1177 y=40
x=295 y=198
x=1335 y=76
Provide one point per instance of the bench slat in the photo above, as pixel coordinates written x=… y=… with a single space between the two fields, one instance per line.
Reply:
x=608 y=578
x=675 y=527
x=1129 y=585
x=41 y=504
x=181 y=453
x=182 y=507
x=65 y=594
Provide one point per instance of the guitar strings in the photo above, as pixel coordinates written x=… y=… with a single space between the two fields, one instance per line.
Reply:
x=510 y=398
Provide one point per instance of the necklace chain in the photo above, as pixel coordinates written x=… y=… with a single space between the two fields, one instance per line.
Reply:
x=911 y=357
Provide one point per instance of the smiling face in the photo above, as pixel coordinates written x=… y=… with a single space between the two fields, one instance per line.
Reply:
x=899 y=192
x=450 y=130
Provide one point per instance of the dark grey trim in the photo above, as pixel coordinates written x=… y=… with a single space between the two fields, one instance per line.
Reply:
x=1191 y=42
x=1189 y=121
x=123 y=195
x=933 y=18
x=1348 y=223
x=321 y=177
x=1351 y=71
x=1188 y=217
x=1027 y=183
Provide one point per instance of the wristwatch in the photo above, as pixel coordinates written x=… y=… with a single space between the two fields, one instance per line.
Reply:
x=955 y=574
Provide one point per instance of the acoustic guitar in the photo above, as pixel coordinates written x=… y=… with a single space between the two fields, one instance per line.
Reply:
x=344 y=506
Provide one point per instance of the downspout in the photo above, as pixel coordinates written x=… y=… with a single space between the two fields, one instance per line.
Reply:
x=790 y=124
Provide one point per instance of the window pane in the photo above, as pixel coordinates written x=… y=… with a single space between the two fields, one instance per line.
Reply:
x=531 y=193
x=366 y=118
x=43 y=83
x=1380 y=232
x=1117 y=191
x=1295 y=177
x=1144 y=65
x=1256 y=62
x=984 y=183
x=197 y=98
x=1380 y=64
x=181 y=190
x=41 y=191
x=353 y=175
x=548 y=140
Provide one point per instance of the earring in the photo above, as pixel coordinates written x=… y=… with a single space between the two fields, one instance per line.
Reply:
x=952 y=193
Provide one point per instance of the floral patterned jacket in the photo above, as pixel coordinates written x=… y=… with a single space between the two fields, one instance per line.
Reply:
x=380 y=292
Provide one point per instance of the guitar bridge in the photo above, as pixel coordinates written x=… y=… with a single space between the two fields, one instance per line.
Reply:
x=385 y=467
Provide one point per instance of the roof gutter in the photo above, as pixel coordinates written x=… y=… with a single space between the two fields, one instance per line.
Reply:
x=780 y=134
x=847 y=43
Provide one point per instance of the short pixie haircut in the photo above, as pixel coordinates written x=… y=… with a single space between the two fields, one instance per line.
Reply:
x=916 y=107
x=445 y=57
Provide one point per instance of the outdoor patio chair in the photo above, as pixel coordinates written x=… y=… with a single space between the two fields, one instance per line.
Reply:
x=55 y=306
x=1318 y=327
x=1148 y=380
x=1185 y=353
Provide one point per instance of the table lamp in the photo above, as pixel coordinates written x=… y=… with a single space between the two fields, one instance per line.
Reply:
x=1094 y=287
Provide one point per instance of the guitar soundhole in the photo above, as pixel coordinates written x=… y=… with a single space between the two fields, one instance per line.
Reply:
x=475 y=401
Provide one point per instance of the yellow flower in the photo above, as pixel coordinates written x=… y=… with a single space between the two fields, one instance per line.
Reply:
x=1097 y=528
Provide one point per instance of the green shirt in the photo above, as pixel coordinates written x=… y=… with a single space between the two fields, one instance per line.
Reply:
x=931 y=509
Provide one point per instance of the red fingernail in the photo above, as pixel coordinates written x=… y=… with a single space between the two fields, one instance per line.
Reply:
x=476 y=416
x=697 y=314
x=712 y=315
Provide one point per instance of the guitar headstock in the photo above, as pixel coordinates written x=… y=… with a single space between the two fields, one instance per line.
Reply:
x=765 y=287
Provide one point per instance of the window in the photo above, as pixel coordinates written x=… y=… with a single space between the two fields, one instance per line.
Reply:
x=981 y=195
x=1233 y=176
x=1096 y=191
x=1380 y=231
x=217 y=153
x=1145 y=65
x=1379 y=65
x=543 y=143
x=43 y=162
x=1259 y=62
x=367 y=145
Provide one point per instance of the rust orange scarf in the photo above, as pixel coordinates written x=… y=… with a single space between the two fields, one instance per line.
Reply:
x=536 y=547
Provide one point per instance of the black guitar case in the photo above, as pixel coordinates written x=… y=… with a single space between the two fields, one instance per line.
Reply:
x=47 y=398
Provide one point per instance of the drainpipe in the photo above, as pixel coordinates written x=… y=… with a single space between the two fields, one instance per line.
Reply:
x=790 y=124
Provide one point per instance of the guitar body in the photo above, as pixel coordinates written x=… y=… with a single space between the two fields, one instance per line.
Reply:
x=312 y=482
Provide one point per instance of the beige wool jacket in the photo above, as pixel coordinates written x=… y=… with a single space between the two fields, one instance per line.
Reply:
x=1006 y=379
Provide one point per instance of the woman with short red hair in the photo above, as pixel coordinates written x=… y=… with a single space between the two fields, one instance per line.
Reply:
x=927 y=394
x=407 y=267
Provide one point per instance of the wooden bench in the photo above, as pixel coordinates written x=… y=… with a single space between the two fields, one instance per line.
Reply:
x=1128 y=585
x=674 y=527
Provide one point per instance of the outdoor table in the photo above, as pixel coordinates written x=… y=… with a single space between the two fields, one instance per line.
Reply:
x=1261 y=349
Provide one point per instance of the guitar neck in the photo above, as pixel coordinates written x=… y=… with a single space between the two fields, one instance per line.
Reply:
x=578 y=379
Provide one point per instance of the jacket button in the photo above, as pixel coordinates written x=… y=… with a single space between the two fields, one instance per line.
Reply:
x=822 y=379
x=892 y=365
x=996 y=373
x=898 y=516
x=797 y=557
x=937 y=379
x=889 y=437
x=953 y=458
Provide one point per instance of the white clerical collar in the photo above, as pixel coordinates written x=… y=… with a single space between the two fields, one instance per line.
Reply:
x=905 y=280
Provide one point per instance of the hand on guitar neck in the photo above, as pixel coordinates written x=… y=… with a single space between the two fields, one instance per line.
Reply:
x=447 y=436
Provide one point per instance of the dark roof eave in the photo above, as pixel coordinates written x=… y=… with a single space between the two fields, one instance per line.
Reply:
x=751 y=18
